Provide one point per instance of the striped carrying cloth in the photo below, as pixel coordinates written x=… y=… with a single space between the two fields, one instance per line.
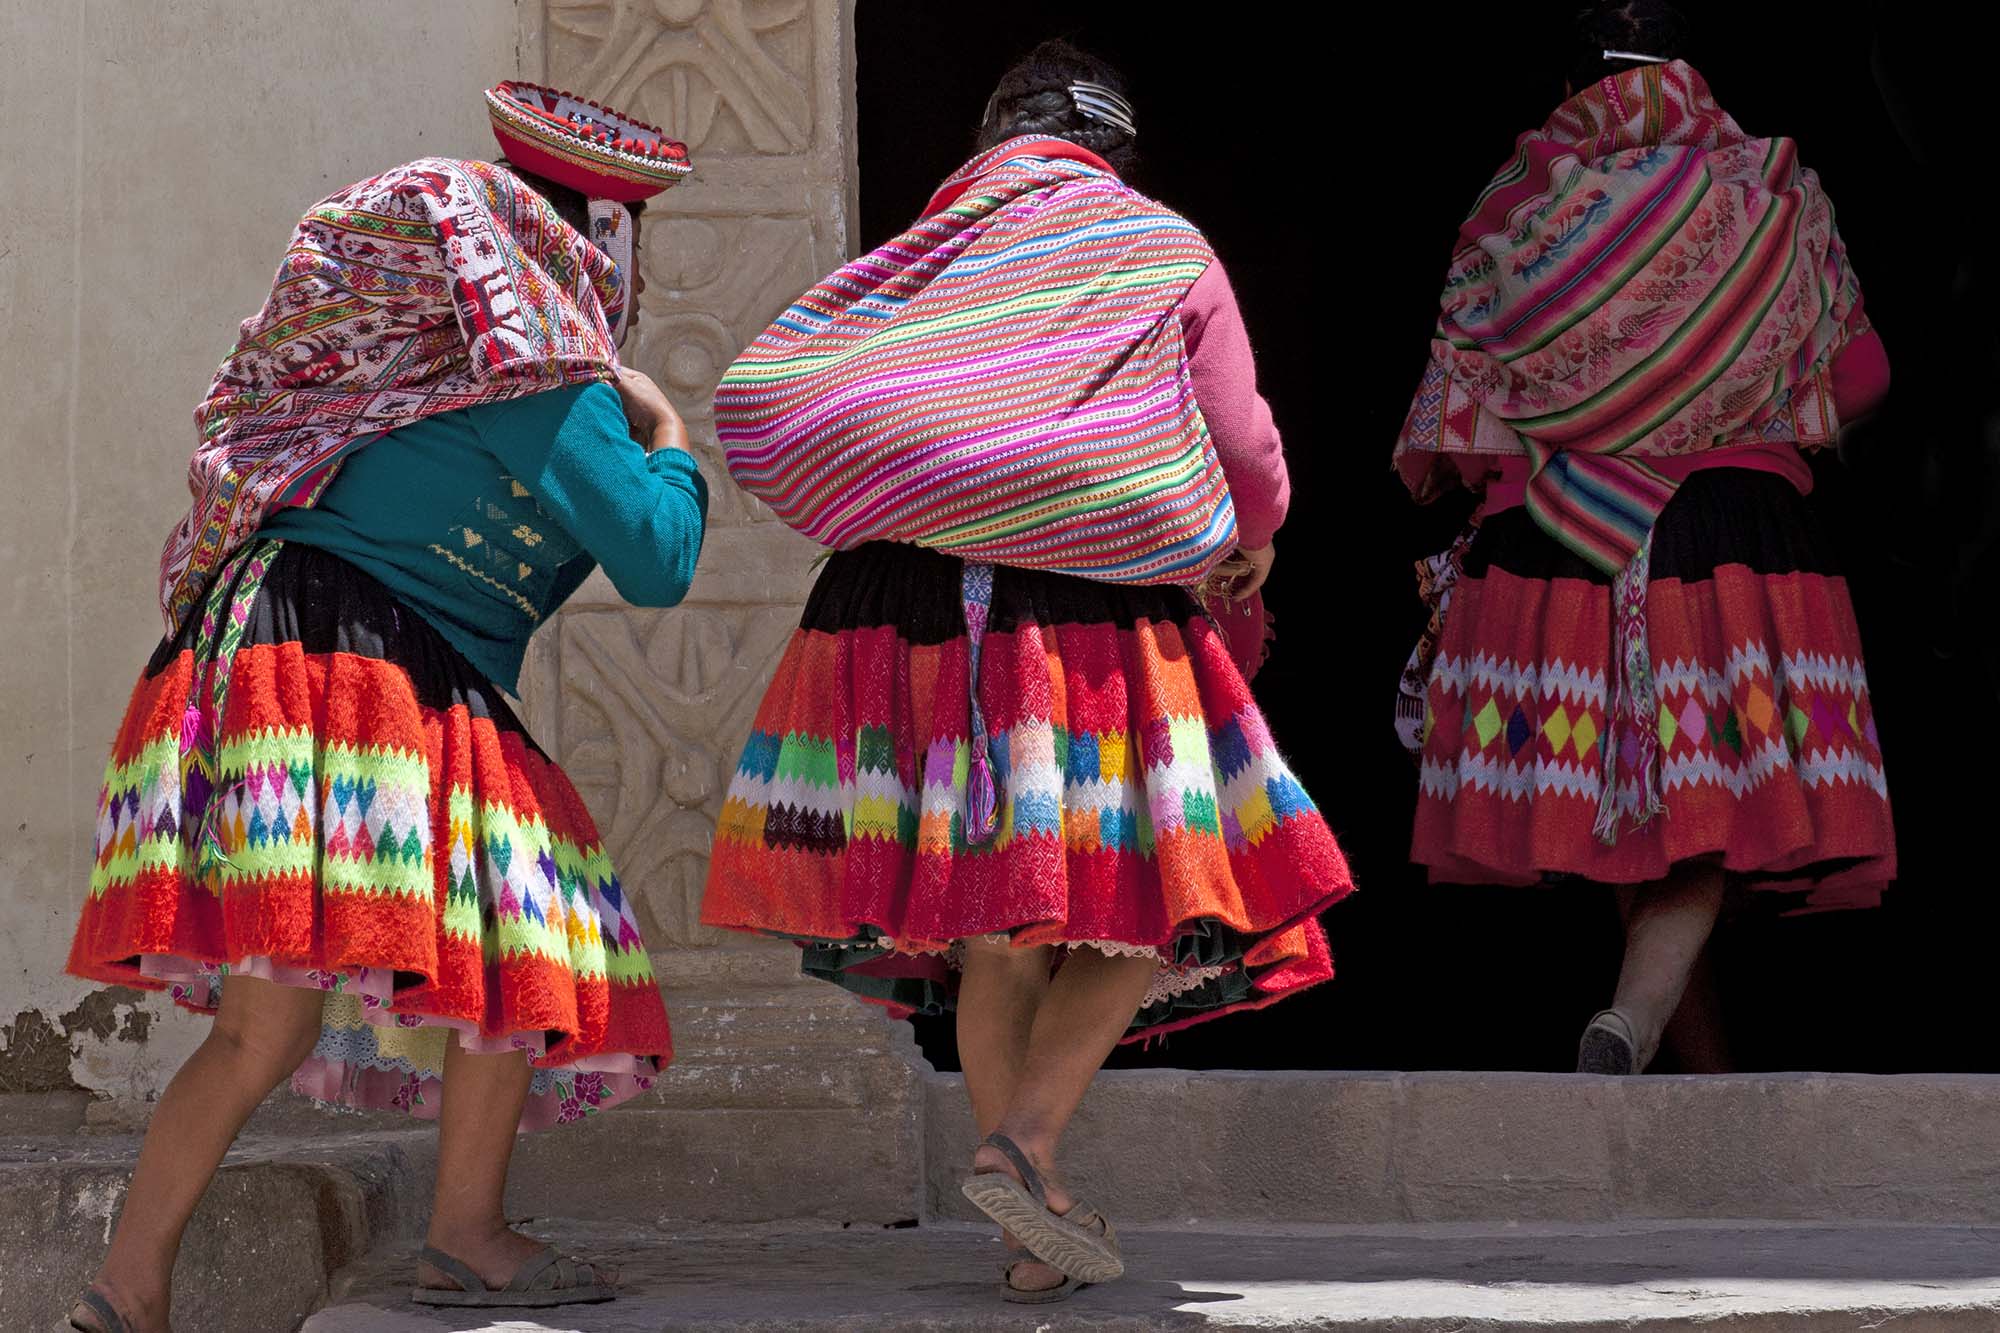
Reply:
x=1641 y=280
x=1004 y=382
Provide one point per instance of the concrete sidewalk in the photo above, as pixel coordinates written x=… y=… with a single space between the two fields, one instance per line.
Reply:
x=1405 y=1279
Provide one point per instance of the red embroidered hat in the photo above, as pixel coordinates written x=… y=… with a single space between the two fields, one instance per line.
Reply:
x=600 y=152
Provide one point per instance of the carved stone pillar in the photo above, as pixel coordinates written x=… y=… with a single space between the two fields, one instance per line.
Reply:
x=787 y=1098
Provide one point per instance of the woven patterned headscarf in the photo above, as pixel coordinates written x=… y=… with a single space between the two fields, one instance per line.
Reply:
x=439 y=285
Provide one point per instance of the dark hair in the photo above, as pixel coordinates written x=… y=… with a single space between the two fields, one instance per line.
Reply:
x=1648 y=27
x=571 y=204
x=1033 y=98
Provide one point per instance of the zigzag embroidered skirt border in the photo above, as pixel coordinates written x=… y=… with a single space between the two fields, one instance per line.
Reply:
x=313 y=787
x=1770 y=759
x=1143 y=805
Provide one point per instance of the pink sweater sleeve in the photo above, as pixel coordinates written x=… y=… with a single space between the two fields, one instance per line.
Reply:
x=1224 y=373
x=1860 y=377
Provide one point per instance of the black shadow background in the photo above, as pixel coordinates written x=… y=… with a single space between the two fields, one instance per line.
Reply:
x=1330 y=163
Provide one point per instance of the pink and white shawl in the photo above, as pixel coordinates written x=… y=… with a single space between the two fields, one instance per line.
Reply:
x=438 y=285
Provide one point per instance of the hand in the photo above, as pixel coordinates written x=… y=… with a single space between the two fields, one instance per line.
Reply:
x=1240 y=576
x=650 y=417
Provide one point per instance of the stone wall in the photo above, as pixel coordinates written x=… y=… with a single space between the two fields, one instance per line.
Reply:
x=154 y=159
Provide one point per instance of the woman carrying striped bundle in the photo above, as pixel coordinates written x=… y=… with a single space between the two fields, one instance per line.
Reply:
x=1008 y=762
x=1644 y=669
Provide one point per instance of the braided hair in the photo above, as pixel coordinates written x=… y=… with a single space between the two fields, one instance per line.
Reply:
x=1034 y=98
x=1648 y=27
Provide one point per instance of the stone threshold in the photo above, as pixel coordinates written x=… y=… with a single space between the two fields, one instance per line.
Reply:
x=1173 y=1146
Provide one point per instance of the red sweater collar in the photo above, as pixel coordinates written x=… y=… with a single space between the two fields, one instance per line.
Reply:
x=1027 y=146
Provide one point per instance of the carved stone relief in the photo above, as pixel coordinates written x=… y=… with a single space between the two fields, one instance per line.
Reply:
x=648 y=709
x=727 y=76
x=656 y=706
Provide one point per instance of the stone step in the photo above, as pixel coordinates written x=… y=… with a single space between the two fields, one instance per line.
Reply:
x=777 y=1137
x=284 y=1215
x=1773 y=1278
x=1172 y=1146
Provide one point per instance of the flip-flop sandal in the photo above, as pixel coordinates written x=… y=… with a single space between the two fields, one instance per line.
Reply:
x=1081 y=1243
x=545 y=1279
x=1068 y=1287
x=1609 y=1046
x=100 y=1307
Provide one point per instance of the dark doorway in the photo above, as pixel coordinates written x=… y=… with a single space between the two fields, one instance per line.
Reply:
x=1330 y=164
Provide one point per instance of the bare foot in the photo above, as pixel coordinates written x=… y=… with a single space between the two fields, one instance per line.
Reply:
x=992 y=1159
x=496 y=1256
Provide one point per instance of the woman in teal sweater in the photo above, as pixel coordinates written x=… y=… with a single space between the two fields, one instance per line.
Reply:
x=322 y=822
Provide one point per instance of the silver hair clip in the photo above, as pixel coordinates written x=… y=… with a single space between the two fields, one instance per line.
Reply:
x=1097 y=102
x=1635 y=55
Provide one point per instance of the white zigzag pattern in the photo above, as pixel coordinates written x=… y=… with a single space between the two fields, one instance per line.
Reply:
x=873 y=783
x=1824 y=672
x=1748 y=660
x=1678 y=677
x=1185 y=774
x=941 y=798
x=1555 y=679
x=1095 y=794
x=1250 y=780
x=1768 y=758
x=1824 y=768
x=803 y=794
x=1443 y=781
x=1036 y=780
x=1437 y=779
x=1514 y=781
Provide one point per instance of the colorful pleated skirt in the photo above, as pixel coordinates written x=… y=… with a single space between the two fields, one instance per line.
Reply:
x=1142 y=807
x=313 y=787
x=1770 y=760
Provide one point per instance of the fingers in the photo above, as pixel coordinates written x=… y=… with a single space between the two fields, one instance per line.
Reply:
x=1256 y=569
x=654 y=422
x=1249 y=587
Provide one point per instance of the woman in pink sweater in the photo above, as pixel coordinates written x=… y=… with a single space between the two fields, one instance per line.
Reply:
x=1150 y=860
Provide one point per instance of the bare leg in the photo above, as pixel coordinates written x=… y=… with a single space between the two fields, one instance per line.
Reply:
x=1695 y=1034
x=999 y=993
x=261 y=1034
x=1667 y=925
x=1087 y=1007
x=1090 y=1004
x=477 y=1125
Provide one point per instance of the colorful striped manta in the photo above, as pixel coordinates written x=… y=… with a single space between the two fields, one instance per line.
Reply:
x=1004 y=382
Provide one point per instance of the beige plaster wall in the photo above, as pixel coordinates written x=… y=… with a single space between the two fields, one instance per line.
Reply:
x=153 y=157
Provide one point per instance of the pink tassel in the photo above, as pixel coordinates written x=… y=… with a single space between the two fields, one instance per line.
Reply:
x=982 y=801
x=1634 y=701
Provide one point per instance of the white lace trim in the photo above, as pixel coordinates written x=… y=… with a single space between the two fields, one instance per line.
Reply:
x=1170 y=981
